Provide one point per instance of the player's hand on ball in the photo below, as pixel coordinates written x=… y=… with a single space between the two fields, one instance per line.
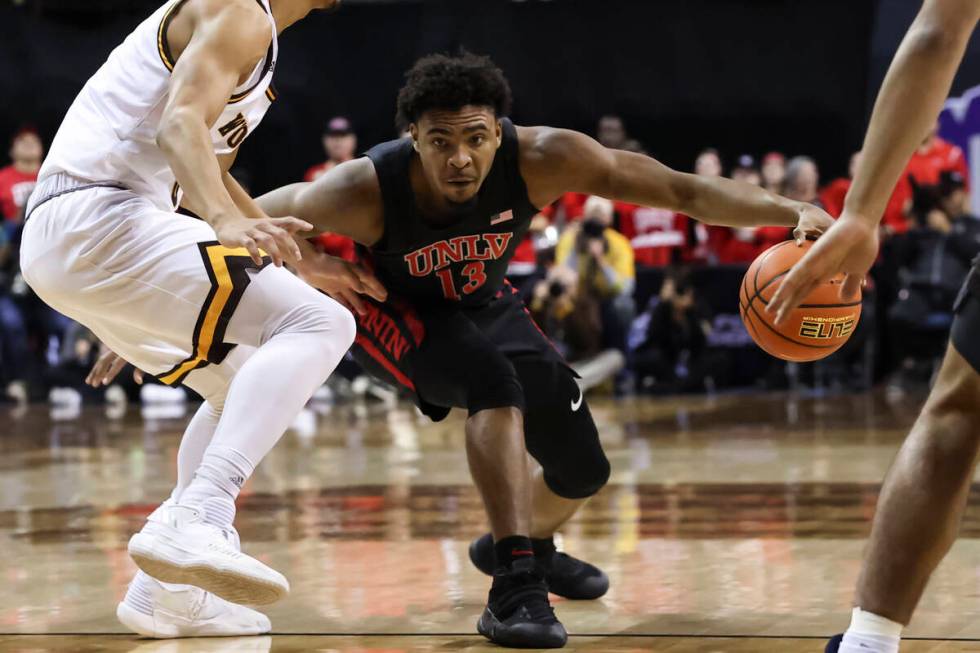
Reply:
x=342 y=280
x=107 y=367
x=813 y=222
x=274 y=236
x=848 y=247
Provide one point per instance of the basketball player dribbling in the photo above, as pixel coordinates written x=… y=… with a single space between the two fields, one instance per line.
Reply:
x=925 y=493
x=438 y=216
x=191 y=300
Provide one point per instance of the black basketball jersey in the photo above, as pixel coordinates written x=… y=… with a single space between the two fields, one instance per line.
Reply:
x=464 y=262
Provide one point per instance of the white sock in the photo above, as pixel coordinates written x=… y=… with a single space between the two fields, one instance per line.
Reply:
x=870 y=633
x=221 y=474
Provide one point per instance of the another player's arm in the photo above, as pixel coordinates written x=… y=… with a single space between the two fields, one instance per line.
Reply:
x=917 y=84
x=555 y=161
x=228 y=40
x=912 y=95
x=347 y=201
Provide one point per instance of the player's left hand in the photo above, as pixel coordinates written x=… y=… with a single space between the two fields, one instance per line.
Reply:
x=813 y=222
x=342 y=280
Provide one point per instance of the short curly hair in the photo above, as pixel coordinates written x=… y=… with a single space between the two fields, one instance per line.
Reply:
x=446 y=82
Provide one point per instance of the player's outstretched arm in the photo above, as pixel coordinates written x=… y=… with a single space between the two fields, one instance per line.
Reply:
x=229 y=38
x=346 y=200
x=911 y=97
x=555 y=161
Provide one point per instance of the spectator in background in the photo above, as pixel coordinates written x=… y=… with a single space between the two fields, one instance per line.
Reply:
x=14 y=346
x=746 y=171
x=339 y=143
x=773 y=172
x=604 y=263
x=708 y=163
x=673 y=354
x=936 y=156
x=802 y=180
x=611 y=132
x=17 y=180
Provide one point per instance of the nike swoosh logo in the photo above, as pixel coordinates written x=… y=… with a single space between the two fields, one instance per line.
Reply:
x=576 y=404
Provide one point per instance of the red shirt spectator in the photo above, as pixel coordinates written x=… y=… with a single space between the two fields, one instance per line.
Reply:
x=339 y=144
x=18 y=179
x=933 y=157
x=658 y=236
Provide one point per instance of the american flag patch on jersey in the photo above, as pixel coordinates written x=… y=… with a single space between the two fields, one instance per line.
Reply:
x=502 y=217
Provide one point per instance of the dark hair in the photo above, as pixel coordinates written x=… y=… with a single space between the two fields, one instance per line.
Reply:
x=440 y=81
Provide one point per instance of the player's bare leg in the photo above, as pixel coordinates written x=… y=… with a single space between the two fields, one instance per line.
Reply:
x=924 y=495
x=920 y=508
x=498 y=462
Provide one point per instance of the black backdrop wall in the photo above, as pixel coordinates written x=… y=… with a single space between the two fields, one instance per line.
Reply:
x=740 y=76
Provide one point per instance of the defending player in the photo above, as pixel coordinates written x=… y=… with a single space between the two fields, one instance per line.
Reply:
x=924 y=495
x=174 y=295
x=440 y=215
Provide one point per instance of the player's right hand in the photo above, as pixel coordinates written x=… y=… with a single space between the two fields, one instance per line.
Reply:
x=274 y=236
x=107 y=367
x=848 y=247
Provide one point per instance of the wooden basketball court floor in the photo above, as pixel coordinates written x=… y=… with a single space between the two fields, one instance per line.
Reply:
x=730 y=524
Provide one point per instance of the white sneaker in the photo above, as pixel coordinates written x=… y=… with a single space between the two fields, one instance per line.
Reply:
x=177 y=546
x=191 y=612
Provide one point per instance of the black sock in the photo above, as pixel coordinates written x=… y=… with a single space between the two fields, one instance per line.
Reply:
x=543 y=548
x=512 y=548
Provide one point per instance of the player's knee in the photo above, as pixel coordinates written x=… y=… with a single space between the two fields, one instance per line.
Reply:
x=575 y=466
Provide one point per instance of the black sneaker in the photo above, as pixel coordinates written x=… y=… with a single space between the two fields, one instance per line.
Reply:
x=518 y=614
x=834 y=644
x=566 y=576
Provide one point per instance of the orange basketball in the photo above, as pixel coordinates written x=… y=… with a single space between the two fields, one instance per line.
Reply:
x=818 y=328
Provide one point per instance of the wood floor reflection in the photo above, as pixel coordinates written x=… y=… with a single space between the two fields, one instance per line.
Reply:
x=730 y=524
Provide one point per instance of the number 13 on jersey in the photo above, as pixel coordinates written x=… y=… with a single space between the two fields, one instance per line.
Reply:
x=474 y=278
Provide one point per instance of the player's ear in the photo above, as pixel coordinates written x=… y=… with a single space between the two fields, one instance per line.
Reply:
x=498 y=132
x=413 y=129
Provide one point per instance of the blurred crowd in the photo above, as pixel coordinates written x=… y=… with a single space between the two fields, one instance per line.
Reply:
x=621 y=289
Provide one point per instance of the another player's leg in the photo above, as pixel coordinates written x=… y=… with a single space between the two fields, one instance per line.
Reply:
x=162 y=610
x=922 y=499
x=300 y=337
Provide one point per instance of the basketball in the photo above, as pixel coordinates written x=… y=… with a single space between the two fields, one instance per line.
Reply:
x=817 y=328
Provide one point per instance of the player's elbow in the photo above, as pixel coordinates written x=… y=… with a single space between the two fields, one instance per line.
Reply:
x=937 y=33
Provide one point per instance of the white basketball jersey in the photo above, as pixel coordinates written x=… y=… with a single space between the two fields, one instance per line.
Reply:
x=109 y=133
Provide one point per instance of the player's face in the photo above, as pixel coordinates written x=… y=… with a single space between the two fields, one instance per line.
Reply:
x=457 y=149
